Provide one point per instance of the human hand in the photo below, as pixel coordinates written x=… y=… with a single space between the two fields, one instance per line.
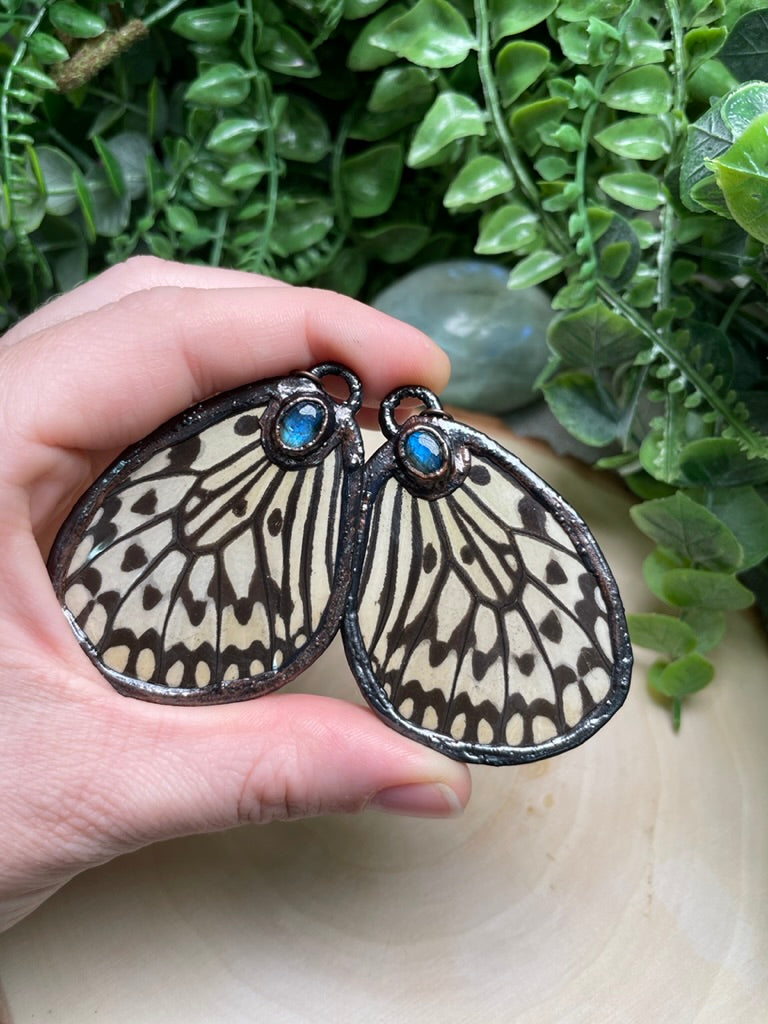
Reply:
x=86 y=774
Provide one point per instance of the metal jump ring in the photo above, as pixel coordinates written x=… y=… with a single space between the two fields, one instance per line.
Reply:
x=355 y=398
x=387 y=421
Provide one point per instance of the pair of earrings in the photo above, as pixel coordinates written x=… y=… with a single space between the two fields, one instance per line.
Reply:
x=217 y=558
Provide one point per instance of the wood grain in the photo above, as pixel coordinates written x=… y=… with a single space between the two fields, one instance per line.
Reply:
x=624 y=881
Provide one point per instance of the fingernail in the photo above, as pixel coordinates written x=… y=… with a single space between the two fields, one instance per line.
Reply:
x=420 y=800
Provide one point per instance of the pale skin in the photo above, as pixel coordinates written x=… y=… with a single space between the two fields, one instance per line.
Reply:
x=85 y=774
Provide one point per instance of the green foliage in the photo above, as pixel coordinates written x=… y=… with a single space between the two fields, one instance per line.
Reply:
x=614 y=152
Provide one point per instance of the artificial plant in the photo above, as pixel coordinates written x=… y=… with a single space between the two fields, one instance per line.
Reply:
x=614 y=152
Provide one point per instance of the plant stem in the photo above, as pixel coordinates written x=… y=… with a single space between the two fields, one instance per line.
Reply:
x=487 y=79
x=344 y=218
x=162 y=12
x=218 y=243
x=270 y=151
x=751 y=441
x=738 y=299
x=667 y=220
x=22 y=238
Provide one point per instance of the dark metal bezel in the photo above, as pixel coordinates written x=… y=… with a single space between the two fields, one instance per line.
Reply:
x=314 y=451
x=179 y=428
x=451 y=476
x=380 y=468
x=410 y=470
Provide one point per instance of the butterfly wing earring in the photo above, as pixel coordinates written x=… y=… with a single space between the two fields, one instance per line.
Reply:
x=482 y=618
x=216 y=559
x=211 y=562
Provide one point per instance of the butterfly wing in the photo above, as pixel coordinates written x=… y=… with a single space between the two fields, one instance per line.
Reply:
x=483 y=619
x=210 y=562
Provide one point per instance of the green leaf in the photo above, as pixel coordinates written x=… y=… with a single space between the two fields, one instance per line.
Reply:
x=394 y=242
x=364 y=54
x=234 y=135
x=302 y=133
x=110 y=212
x=398 y=87
x=687 y=528
x=742 y=176
x=701 y=12
x=300 y=224
x=701 y=44
x=361 y=8
x=717 y=591
x=577 y=403
x=86 y=205
x=594 y=42
x=533 y=122
x=740 y=108
x=28 y=197
x=47 y=49
x=593 y=337
x=709 y=82
x=707 y=137
x=181 y=219
x=245 y=174
x=535 y=269
x=656 y=566
x=553 y=168
x=432 y=34
x=708 y=627
x=684 y=676
x=207 y=24
x=283 y=50
x=370 y=179
x=584 y=10
x=224 y=85
x=636 y=138
x=617 y=248
x=70 y=267
x=645 y=90
x=635 y=189
x=205 y=184
x=482 y=178
x=452 y=116
x=719 y=462
x=76 y=21
x=662 y=633
x=510 y=228
x=710 y=137
x=58 y=172
x=746 y=49
x=35 y=77
x=518 y=65
x=373 y=127
x=511 y=17
x=130 y=151
x=111 y=167
x=574 y=295
x=641 y=44
x=745 y=513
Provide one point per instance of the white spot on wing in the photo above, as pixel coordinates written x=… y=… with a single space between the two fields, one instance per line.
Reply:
x=514 y=730
x=116 y=657
x=598 y=682
x=573 y=708
x=543 y=729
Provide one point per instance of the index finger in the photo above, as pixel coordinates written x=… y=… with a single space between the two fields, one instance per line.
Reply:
x=107 y=377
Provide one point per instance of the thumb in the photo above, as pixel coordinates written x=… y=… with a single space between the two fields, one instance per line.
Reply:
x=128 y=773
x=283 y=756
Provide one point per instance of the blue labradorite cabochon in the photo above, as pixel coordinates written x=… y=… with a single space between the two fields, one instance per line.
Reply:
x=301 y=424
x=424 y=453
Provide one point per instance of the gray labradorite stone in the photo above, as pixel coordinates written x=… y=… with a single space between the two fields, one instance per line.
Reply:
x=496 y=338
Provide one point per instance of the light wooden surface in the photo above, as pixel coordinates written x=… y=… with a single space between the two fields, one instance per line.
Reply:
x=625 y=881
